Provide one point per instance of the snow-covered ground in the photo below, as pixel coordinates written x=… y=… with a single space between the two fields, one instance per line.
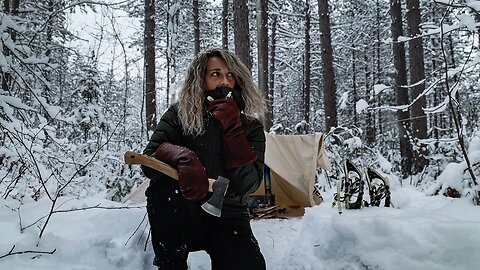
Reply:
x=421 y=232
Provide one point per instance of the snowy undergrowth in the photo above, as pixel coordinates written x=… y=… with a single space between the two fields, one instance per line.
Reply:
x=421 y=232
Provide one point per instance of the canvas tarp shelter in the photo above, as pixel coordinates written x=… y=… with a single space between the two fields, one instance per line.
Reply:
x=293 y=161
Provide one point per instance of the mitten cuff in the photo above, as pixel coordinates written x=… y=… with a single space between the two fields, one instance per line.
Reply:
x=238 y=151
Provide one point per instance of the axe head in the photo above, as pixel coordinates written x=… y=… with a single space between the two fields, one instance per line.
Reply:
x=214 y=205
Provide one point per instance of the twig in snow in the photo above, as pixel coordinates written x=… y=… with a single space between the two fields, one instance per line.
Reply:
x=11 y=252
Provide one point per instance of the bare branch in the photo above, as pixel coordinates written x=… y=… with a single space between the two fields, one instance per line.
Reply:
x=98 y=206
x=80 y=2
x=59 y=190
x=138 y=227
x=454 y=106
x=11 y=252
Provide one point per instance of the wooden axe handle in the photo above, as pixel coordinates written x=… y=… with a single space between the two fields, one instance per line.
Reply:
x=137 y=158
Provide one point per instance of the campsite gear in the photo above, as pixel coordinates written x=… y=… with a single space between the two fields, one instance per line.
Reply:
x=378 y=190
x=352 y=187
x=219 y=186
x=263 y=205
x=293 y=163
x=353 y=184
x=237 y=149
x=192 y=176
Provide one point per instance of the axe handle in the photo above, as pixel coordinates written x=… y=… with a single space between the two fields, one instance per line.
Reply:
x=137 y=158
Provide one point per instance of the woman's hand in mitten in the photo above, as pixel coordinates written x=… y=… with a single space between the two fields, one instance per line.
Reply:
x=192 y=176
x=238 y=151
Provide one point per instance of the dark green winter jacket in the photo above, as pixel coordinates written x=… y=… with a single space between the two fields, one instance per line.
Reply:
x=209 y=149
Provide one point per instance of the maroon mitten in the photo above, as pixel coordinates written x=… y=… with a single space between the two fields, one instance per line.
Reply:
x=238 y=151
x=192 y=176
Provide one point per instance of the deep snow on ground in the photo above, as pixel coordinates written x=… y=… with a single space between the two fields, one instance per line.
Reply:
x=421 y=232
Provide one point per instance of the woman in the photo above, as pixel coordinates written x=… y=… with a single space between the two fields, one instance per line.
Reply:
x=211 y=131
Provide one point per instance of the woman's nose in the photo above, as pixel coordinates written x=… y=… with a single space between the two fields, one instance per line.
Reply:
x=225 y=81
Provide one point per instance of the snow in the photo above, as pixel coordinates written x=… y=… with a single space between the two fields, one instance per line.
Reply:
x=343 y=102
x=353 y=143
x=420 y=232
x=474 y=147
x=378 y=88
x=384 y=164
x=473 y=4
x=361 y=105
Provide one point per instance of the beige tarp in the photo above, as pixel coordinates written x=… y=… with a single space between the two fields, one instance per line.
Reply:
x=293 y=160
x=138 y=195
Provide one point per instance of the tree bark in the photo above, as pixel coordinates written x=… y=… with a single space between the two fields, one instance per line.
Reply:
x=149 y=44
x=196 y=27
x=399 y=62
x=241 y=32
x=6 y=6
x=272 y=69
x=417 y=75
x=9 y=7
x=306 y=76
x=262 y=52
x=328 y=74
x=370 y=121
x=225 y=24
x=377 y=118
x=354 y=85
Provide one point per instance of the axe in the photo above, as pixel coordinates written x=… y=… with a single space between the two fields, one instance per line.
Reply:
x=219 y=186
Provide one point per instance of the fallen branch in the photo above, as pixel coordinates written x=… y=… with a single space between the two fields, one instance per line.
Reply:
x=11 y=252
x=98 y=206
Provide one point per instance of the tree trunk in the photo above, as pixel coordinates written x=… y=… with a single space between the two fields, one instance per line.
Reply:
x=477 y=16
x=241 y=32
x=355 y=72
x=272 y=69
x=417 y=75
x=149 y=43
x=262 y=52
x=370 y=121
x=48 y=53
x=9 y=7
x=328 y=75
x=225 y=24
x=196 y=26
x=399 y=62
x=6 y=6
x=378 y=75
x=306 y=76
x=354 y=85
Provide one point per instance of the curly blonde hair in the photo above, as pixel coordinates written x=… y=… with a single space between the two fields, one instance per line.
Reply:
x=191 y=96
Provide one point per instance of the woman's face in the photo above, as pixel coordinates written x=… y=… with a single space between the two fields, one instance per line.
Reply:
x=218 y=74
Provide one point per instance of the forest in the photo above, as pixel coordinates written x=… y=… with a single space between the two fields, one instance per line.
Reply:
x=395 y=80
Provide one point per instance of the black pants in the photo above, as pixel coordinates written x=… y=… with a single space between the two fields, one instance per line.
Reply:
x=179 y=226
